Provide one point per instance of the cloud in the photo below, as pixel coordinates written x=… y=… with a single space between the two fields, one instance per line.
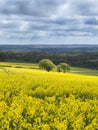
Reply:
x=47 y=20
x=28 y=7
x=92 y=21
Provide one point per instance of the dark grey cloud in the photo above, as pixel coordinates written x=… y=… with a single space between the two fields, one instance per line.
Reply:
x=48 y=20
x=30 y=7
x=91 y=21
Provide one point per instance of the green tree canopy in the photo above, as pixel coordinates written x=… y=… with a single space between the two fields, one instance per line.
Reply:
x=46 y=64
x=63 y=67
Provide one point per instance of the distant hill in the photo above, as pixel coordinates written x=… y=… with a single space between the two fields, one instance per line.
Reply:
x=73 y=48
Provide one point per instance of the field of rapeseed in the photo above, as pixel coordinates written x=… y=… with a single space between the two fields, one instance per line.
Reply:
x=40 y=100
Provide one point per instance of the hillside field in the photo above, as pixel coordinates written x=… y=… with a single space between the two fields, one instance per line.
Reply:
x=33 y=99
x=75 y=70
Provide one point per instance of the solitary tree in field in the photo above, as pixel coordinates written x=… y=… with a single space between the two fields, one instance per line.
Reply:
x=46 y=64
x=63 y=67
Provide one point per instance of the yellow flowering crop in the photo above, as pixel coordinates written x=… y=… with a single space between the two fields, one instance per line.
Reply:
x=40 y=100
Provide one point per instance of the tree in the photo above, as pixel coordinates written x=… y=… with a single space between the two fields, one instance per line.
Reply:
x=63 y=67
x=46 y=64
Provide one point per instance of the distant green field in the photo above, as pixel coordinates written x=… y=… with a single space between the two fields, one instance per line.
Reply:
x=19 y=65
x=84 y=71
x=75 y=70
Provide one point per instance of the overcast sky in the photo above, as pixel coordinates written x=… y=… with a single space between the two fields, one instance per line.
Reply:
x=48 y=21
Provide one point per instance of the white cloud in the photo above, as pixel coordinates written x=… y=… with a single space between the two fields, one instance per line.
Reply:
x=49 y=20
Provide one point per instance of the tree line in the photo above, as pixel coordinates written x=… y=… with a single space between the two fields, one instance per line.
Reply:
x=87 y=59
x=48 y=65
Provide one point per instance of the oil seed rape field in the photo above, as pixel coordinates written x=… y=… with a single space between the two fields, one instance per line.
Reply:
x=40 y=100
